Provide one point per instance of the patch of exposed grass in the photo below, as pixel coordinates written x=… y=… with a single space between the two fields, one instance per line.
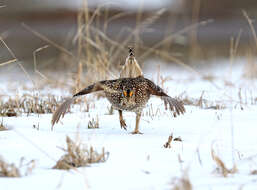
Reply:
x=3 y=127
x=221 y=167
x=110 y=110
x=10 y=170
x=7 y=112
x=77 y=155
x=202 y=102
x=168 y=143
x=93 y=123
x=27 y=104
x=170 y=140
x=253 y=172
x=208 y=77
x=182 y=183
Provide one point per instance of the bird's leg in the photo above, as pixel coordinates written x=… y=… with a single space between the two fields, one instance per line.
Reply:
x=122 y=121
x=136 y=130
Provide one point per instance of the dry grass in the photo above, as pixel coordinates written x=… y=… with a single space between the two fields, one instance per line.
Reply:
x=182 y=183
x=93 y=48
x=7 y=112
x=3 y=127
x=250 y=22
x=250 y=69
x=221 y=167
x=170 y=140
x=98 y=57
x=202 y=102
x=77 y=155
x=110 y=110
x=10 y=170
x=151 y=112
x=253 y=172
x=168 y=143
x=93 y=123
x=28 y=104
x=208 y=77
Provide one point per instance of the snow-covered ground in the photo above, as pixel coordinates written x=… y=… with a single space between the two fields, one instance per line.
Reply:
x=141 y=161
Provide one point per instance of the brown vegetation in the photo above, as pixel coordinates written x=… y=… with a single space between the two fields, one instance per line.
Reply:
x=93 y=123
x=221 y=167
x=77 y=155
x=28 y=104
x=10 y=170
x=182 y=183
x=3 y=127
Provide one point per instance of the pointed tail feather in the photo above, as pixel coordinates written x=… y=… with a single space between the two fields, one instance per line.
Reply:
x=131 y=67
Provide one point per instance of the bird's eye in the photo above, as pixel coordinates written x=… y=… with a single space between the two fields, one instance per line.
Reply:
x=130 y=94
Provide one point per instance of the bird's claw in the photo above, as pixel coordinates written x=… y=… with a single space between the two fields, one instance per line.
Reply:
x=136 y=132
x=123 y=124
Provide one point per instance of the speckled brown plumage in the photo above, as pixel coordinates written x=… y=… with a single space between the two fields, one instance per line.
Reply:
x=126 y=94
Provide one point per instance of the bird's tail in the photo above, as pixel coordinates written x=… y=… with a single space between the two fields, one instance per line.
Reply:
x=131 y=67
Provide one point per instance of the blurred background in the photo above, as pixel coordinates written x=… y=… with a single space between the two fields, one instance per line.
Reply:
x=76 y=34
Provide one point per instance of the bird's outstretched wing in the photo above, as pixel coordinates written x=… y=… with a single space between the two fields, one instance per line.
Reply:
x=175 y=105
x=63 y=108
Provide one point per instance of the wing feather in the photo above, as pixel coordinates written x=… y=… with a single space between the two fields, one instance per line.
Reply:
x=61 y=110
x=175 y=105
x=64 y=107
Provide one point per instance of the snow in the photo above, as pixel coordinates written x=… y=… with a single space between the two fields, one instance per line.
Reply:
x=141 y=161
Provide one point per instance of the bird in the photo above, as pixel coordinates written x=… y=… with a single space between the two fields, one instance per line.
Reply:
x=131 y=68
x=125 y=94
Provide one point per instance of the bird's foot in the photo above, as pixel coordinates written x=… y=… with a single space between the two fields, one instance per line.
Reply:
x=136 y=132
x=123 y=124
